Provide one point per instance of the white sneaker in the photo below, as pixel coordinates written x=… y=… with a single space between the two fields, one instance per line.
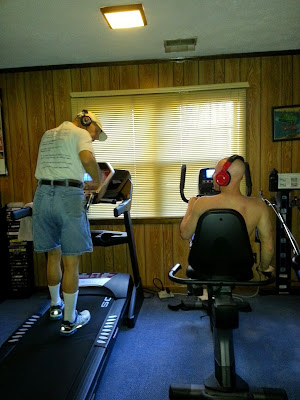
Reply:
x=68 y=328
x=56 y=311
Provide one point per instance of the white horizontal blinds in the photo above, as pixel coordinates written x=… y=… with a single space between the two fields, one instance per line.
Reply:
x=152 y=135
x=214 y=128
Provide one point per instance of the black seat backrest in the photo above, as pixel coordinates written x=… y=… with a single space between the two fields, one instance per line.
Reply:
x=221 y=247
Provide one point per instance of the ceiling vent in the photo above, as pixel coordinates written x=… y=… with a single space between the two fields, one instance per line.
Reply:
x=180 y=45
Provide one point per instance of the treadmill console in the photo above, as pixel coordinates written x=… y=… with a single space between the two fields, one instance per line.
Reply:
x=206 y=182
x=106 y=170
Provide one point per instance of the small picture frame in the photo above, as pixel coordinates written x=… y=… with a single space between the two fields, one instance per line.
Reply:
x=286 y=122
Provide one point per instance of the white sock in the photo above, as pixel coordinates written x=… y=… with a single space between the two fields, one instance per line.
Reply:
x=70 y=306
x=55 y=295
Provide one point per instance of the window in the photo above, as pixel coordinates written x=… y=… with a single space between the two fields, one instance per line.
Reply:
x=152 y=133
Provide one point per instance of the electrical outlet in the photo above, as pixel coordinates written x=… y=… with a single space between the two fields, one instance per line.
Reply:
x=163 y=294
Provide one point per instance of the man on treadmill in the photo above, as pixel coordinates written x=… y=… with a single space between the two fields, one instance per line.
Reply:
x=60 y=224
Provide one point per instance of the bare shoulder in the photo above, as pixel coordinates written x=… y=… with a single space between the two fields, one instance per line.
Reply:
x=258 y=207
x=207 y=199
x=256 y=202
x=205 y=203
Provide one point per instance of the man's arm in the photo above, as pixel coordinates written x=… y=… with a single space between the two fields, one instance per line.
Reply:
x=189 y=222
x=92 y=168
x=266 y=236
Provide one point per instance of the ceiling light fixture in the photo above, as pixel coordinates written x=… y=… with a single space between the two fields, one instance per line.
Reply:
x=129 y=16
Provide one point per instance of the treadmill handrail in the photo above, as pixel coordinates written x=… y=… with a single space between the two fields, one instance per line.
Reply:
x=125 y=206
x=122 y=208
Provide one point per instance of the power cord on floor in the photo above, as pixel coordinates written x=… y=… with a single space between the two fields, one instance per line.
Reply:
x=149 y=293
x=163 y=293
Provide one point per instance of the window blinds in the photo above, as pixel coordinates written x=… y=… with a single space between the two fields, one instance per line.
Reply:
x=152 y=133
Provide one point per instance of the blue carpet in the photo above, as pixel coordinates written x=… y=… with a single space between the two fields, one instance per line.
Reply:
x=176 y=347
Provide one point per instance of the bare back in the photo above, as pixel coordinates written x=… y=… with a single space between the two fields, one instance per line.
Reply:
x=254 y=211
x=250 y=208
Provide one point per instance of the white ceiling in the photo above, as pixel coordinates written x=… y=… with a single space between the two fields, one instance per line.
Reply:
x=54 y=32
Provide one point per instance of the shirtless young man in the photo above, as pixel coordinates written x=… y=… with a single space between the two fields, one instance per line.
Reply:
x=255 y=211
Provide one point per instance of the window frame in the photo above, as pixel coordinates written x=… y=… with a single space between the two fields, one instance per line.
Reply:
x=80 y=98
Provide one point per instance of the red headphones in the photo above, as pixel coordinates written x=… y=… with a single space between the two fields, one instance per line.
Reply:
x=223 y=177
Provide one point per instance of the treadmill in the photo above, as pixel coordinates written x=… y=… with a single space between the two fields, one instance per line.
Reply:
x=36 y=362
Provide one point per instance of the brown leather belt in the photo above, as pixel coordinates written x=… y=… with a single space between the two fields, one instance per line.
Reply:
x=64 y=182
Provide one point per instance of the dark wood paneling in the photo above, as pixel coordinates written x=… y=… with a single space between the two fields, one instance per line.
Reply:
x=251 y=72
x=6 y=183
x=85 y=263
x=270 y=96
x=85 y=75
x=165 y=75
x=34 y=101
x=232 y=70
x=129 y=77
x=296 y=145
x=296 y=100
x=21 y=167
x=154 y=252
x=219 y=71
x=206 y=72
x=76 y=80
x=114 y=78
x=148 y=76
x=287 y=99
x=178 y=74
x=61 y=94
x=48 y=100
x=190 y=73
x=35 y=121
x=100 y=78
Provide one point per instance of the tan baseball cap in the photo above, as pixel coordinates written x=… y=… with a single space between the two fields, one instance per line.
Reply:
x=86 y=113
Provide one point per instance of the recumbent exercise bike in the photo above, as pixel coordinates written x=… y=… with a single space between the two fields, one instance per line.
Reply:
x=221 y=258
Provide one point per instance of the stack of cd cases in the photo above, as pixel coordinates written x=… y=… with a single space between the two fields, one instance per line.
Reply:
x=20 y=257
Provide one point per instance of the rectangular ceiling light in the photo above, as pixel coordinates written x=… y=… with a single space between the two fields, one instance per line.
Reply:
x=129 y=16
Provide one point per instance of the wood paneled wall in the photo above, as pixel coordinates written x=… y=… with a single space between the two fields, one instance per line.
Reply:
x=36 y=100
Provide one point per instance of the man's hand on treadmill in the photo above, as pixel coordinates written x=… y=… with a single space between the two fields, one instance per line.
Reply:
x=100 y=193
x=90 y=187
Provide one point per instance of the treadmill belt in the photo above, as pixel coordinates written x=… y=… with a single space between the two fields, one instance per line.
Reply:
x=45 y=364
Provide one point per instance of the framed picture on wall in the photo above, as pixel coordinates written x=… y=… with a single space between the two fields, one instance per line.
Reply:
x=286 y=122
x=3 y=166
